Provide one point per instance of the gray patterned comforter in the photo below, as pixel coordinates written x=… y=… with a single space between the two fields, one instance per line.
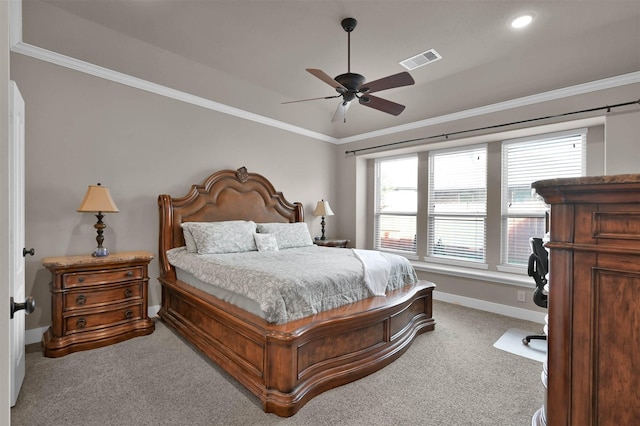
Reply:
x=293 y=283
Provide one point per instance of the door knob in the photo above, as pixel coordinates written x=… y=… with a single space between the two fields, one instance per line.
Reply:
x=25 y=252
x=29 y=306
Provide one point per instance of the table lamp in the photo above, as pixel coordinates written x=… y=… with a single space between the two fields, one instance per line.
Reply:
x=98 y=200
x=323 y=209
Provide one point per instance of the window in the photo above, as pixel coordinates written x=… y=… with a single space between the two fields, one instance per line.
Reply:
x=458 y=204
x=525 y=161
x=396 y=204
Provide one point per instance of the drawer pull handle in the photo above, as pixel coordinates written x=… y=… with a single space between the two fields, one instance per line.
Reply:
x=128 y=293
x=81 y=322
x=81 y=279
x=130 y=273
x=128 y=314
x=81 y=300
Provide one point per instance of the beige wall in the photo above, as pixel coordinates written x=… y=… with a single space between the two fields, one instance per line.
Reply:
x=622 y=143
x=82 y=130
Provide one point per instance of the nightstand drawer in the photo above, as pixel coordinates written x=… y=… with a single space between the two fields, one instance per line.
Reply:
x=95 y=297
x=81 y=279
x=93 y=320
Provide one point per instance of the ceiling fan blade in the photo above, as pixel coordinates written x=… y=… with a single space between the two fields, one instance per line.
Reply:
x=325 y=77
x=311 y=99
x=389 y=82
x=341 y=112
x=381 y=104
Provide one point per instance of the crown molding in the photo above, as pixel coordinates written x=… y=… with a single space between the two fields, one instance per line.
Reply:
x=85 y=67
x=18 y=46
x=158 y=89
x=15 y=22
x=552 y=95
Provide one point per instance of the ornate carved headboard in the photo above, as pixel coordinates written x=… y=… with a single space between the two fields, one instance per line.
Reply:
x=225 y=195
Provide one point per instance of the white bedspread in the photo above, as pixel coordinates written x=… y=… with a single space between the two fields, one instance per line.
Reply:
x=291 y=283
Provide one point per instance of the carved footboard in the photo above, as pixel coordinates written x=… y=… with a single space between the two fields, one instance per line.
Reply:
x=286 y=365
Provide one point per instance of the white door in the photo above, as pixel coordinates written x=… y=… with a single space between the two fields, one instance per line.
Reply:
x=16 y=236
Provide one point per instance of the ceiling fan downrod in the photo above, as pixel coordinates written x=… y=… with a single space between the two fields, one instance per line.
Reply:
x=349 y=24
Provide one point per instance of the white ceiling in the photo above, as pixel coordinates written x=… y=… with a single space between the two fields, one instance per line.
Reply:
x=259 y=50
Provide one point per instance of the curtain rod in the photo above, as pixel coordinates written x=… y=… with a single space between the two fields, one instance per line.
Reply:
x=446 y=135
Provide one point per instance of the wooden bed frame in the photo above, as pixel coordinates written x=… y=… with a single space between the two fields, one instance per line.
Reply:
x=284 y=365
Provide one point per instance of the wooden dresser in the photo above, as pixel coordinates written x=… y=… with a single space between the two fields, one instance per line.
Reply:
x=96 y=301
x=594 y=300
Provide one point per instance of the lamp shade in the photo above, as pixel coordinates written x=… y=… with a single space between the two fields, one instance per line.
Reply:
x=98 y=199
x=323 y=209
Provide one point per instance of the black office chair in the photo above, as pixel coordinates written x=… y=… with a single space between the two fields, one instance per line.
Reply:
x=538 y=269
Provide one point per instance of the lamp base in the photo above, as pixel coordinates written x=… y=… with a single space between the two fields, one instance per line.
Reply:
x=101 y=252
x=322 y=224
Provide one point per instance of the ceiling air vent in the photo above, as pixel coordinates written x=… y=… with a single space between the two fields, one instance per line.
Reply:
x=423 y=58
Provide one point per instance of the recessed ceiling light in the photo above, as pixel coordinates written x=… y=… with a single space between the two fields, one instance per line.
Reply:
x=522 y=20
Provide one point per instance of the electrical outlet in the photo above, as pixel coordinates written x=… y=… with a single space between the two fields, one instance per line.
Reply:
x=521 y=296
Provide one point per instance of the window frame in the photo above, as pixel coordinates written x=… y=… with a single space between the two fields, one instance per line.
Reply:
x=377 y=214
x=505 y=215
x=430 y=256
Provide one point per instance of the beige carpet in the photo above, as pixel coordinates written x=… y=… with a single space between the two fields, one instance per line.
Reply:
x=451 y=376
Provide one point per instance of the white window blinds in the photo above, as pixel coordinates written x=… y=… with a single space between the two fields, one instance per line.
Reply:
x=396 y=204
x=525 y=161
x=458 y=204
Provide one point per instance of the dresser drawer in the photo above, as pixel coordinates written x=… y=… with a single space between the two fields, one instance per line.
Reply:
x=617 y=226
x=93 y=320
x=92 y=278
x=92 y=296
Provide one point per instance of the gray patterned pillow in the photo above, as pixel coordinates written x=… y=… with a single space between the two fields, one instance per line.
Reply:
x=188 y=240
x=288 y=235
x=233 y=236
x=266 y=242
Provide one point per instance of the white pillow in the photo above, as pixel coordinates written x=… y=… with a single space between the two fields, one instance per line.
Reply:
x=266 y=242
x=233 y=236
x=288 y=235
x=188 y=240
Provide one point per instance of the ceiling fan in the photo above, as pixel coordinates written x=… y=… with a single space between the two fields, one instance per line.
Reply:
x=352 y=86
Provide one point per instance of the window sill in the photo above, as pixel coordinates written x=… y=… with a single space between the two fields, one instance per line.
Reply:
x=517 y=270
x=476 y=274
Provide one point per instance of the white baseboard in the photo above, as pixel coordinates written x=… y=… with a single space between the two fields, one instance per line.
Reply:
x=34 y=335
x=496 y=308
x=152 y=311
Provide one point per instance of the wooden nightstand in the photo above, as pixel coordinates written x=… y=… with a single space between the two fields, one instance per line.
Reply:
x=331 y=243
x=96 y=301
